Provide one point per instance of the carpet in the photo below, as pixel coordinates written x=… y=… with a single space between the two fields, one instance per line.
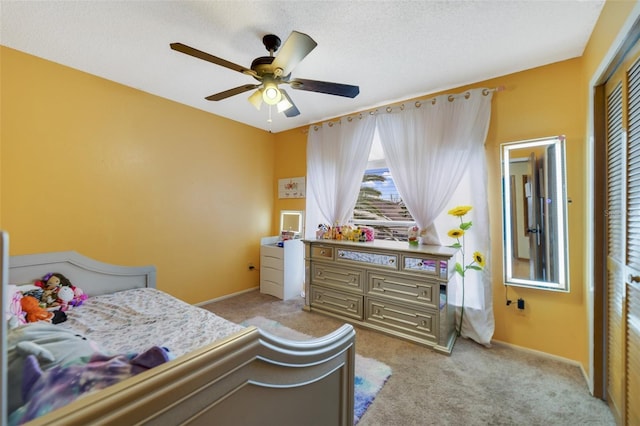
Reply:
x=370 y=374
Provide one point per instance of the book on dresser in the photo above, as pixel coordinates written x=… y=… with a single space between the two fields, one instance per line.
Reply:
x=281 y=267
x=389 y=286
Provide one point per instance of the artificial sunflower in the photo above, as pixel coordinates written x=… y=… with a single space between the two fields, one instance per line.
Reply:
x=456 y=233
x=478 y=261
x=479 y=258
x=460 y=211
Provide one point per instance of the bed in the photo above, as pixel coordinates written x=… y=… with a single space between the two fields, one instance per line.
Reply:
x=247 y=377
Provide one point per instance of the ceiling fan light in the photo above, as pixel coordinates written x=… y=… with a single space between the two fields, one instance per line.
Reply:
x=256 y=99
x=284 y=104
x=271 y=94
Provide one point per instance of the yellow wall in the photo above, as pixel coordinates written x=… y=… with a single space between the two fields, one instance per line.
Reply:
x=290 y=162
x=541 y=102
x=545 y=101
x=130 y=178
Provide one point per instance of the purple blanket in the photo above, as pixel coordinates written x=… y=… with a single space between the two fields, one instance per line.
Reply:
x=45 y=391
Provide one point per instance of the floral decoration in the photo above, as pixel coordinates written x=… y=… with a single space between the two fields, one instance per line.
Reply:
x=478 y=259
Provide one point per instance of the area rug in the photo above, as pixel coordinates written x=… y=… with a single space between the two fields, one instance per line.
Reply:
x=370 y=374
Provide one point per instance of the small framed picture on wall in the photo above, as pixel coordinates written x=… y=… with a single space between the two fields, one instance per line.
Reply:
x=291 y=188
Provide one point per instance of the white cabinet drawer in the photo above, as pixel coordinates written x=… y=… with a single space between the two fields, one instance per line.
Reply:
x=273 y=275
x=272 y=262
x=272 y=251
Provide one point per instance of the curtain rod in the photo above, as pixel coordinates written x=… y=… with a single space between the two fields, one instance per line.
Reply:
x=418 y=104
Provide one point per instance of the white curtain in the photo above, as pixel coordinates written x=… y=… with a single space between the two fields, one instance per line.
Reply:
x=428 y=148
x=337 y=155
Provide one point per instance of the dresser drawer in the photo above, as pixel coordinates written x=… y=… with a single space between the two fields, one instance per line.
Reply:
x=404 y=289
x=338 y=277
x=412 y=322
x=322 y=252
x=437 y=268
x=345 y=304
x=368 y=258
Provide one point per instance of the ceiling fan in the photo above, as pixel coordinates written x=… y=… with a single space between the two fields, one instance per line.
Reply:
x=271 y=71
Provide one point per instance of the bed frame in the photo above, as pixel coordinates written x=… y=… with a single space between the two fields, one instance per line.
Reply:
x=249 y=378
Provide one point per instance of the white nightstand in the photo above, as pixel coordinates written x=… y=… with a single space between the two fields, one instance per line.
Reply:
x=281 y=268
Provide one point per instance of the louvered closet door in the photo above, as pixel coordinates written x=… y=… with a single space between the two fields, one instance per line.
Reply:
x=622 y=93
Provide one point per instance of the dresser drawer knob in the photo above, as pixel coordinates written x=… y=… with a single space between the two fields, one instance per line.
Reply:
x=322 y=252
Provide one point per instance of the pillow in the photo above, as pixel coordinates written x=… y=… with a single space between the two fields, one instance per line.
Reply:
x=13 y=314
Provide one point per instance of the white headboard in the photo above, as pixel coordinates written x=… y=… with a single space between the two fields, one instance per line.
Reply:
x=93 y=277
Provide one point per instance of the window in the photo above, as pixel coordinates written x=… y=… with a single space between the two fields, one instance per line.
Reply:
x=379 y=205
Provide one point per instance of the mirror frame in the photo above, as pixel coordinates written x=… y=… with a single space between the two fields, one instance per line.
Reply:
x=294 y=213
x=561 y=242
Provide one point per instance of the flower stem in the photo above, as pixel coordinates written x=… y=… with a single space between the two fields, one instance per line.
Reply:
x=463 y=273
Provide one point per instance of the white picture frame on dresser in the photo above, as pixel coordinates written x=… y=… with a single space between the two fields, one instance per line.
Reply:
x=282 y=268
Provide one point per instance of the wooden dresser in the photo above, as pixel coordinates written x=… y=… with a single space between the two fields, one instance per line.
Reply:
x=388 y=286
x=281 y=268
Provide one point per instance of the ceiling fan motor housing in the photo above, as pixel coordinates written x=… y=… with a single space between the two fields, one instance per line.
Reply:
x=271 y=42
x=262 y=65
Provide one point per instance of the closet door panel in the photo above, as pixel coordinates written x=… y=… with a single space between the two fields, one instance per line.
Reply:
x=615 y=248
x=633 y=354
x=632 y=267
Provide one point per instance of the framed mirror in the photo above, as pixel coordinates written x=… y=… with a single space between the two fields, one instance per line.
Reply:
x=534 y=205
x=292 y=220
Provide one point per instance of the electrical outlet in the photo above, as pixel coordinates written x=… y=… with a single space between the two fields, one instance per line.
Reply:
x=520 y=303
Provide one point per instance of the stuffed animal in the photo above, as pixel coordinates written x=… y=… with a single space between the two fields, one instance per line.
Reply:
x=34 y=312
x=65 y=297
x=50 y=284
x=413 y=234
x=79 y=296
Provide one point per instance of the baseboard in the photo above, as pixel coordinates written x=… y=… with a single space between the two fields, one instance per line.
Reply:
x=217 y=299
x=550 y=356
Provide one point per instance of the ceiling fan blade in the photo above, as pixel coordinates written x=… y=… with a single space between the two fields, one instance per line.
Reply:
x=256 y=99
x=337 y=89
x=294 y=50
x=210 y=58
x=292 y=111
x=231 y=92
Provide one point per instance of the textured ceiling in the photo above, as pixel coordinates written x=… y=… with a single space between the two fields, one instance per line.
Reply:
x=393 y=50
